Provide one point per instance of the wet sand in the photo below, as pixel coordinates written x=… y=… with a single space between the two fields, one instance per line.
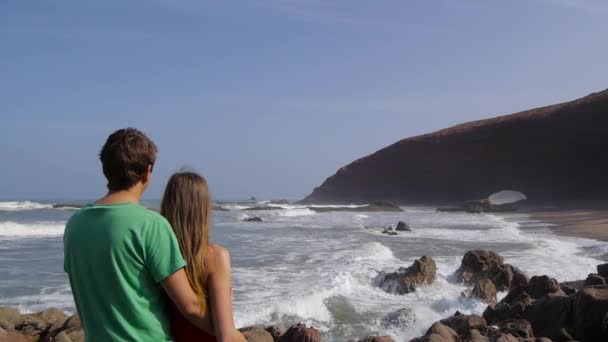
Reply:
x=592 y=224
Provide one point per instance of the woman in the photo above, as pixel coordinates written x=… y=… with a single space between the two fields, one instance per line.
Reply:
x=187 y=206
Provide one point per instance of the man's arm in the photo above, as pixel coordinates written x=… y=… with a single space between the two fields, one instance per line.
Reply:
x=187 y=302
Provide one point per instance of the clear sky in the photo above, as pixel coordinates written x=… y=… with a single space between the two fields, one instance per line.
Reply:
x=270 y=97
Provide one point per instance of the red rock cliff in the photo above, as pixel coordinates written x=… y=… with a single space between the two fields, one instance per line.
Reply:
x=553 y=154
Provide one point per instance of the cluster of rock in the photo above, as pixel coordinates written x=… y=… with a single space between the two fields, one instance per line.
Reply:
x=401 y=227
x=488 y=274
x=538 y=309
x=252 y=219
x=51 y=325
x=296 y=333
x=405 y=280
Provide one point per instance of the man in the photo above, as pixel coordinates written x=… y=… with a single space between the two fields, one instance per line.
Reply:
x=122 y=258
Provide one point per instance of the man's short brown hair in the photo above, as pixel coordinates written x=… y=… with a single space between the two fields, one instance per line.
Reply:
x=125 y=158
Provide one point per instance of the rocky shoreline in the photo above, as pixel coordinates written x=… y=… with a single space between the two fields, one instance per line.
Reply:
x=536 y=308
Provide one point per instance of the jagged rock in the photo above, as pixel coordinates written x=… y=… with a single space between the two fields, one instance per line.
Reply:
x=405 y=280
x=517 y=328
x=476 y=336
x=594 y=279
x=590 y=313
x=542 y=285
x=481 y=264
x=256 y=334
x=571 y=287
x=462 y=324
x=300 y=333
x=511 y=307
x=602 y=270
x=440 y=332
x=402 y=227
x=399 y=318
x=275 y=331
x=252 y=219
x=485 y=290
x=551 y=316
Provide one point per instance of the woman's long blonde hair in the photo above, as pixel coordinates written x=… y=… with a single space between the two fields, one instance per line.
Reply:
x=186 y=205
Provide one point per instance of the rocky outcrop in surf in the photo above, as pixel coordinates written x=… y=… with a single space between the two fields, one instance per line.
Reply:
x=405 y=280
x=481 y=265
x=553 y=154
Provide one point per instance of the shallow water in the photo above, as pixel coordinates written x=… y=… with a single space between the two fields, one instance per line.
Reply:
x=299 y=265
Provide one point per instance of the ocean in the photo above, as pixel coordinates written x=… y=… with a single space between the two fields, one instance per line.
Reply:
x=318 y=268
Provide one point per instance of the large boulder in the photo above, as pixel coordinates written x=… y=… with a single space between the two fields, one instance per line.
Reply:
x=438 y=332
x=594 y=279
x=551 y=317
x=300 y=333
x=462 y=324
x=376 y=338
x=602 y=270
x=9 y=315
x=477 y=265
x=591 y=314
x=405 y=280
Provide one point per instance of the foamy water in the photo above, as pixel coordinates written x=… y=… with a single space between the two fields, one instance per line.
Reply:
x=299 y=265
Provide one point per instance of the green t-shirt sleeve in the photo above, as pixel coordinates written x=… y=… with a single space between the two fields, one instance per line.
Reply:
x=163 y=256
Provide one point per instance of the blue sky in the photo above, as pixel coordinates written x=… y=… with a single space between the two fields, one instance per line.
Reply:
x=269 y=97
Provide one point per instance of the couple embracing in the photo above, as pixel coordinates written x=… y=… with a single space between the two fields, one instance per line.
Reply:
x=140 y=276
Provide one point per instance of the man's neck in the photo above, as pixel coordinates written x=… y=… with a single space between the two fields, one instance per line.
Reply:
x=132 y=195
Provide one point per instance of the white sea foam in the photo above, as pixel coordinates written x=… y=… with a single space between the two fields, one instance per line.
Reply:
x=14 y=229
x=23 y=205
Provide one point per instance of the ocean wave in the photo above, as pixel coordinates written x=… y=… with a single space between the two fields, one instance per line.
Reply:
x=23 y=205
x=14 y=229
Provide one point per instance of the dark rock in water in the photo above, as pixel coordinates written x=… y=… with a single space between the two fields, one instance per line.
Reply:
x=485 y=290
x=389 y=231
x=402 y=227
x=256 y=334
x=477 y=265
x=462 y=324
x=374 y=207
x=400 y=318
x=590 y=312
x=252 y=219
x=219 y=208
x=280 y=201
x=594 y=279
x=405 y=280
x=510 y=307
x=300 y=333
x=602 y=270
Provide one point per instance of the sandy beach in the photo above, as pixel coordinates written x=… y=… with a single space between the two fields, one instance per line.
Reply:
x=592 y=224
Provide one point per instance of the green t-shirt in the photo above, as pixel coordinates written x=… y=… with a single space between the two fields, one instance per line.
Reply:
x=116 y=256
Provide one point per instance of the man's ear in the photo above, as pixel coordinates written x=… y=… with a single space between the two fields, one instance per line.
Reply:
x=148 y=175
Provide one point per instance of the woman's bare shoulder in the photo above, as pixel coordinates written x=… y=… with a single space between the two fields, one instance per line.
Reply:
x=218 y=258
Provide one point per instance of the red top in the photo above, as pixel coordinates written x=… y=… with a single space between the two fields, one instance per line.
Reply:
x=184 y=331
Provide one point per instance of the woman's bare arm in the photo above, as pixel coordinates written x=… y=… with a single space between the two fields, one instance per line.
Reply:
x=178 y=289
x=220 y=297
